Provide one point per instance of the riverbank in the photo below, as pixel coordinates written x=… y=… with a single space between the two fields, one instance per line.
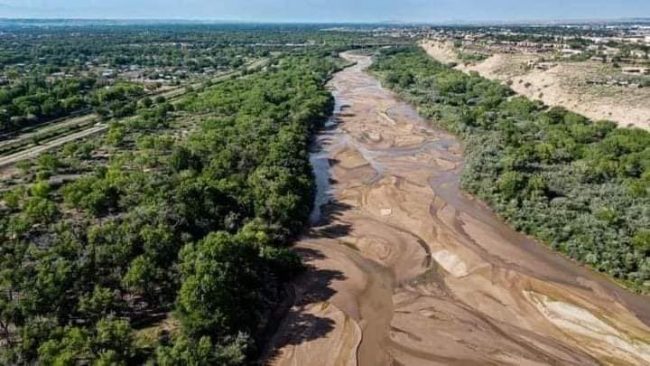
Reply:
x=567 y=84
x=406 y=269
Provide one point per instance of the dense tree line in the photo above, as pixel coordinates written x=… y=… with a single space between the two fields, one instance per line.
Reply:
x=36 y=100
x=581 y=186
x=189 y=232
x=158 y=46
x=51 y=69
x=65 y=46
x=50 y=73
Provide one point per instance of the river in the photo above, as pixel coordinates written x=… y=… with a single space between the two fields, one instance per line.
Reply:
x=406 y=269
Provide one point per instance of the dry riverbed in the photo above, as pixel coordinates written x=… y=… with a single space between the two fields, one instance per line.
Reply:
x=405 y=269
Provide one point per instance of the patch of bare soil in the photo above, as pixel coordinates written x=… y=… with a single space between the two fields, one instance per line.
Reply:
x=441 y=51
x=405 y=269
x=568 y=84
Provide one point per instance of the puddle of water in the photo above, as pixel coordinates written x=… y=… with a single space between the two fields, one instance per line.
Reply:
x=319 y=159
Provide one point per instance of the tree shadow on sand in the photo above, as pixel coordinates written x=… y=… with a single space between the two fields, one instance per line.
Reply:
x=299 y=326
x=312 y=288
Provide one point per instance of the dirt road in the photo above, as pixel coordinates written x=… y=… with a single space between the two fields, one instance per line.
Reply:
x=405 y=269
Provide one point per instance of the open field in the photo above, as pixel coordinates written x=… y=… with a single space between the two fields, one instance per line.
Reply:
x=566 y=84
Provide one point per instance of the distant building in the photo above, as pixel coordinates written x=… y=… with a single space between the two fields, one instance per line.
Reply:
x=567 y=52
x=635 y=39
x=545 y=65
x=541 y=65
x=611 y=51
x=636 y=70
x=108 y=73
x=638 y=53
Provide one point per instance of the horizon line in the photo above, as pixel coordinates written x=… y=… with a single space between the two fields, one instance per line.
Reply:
x=557 y=21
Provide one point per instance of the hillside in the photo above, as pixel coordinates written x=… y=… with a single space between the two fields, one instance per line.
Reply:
x=577 y=86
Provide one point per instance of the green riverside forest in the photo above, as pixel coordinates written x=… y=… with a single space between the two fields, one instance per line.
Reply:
x=47 y=73
x=154 y=178
x=581 y=186
x=189 y=221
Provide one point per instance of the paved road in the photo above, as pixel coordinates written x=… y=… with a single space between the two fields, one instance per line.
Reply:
x=89 y=118
x=36 y=150
x=75 y=121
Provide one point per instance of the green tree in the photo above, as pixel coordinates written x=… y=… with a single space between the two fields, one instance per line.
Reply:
x=641 y=241
x=221 y=291
x=141 y=277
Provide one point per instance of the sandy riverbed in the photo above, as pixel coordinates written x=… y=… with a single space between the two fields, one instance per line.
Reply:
x=405 y=269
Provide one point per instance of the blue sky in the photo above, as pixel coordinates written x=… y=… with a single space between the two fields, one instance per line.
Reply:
x=329 y=10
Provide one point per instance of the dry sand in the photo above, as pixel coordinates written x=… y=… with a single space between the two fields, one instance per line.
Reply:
x=405 y=269
x=564 y=85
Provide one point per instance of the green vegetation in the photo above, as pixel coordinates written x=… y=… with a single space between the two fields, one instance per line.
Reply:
x=164 y=240
x=51 y=70
x=47 y=74
x=583 y=187
x=177 y=226
x=33 y=100
x=471 y=56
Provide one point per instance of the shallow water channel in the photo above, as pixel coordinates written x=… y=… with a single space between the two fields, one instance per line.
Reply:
x=406 y=269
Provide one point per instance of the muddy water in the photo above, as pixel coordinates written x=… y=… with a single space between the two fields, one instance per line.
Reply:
x=405 y=269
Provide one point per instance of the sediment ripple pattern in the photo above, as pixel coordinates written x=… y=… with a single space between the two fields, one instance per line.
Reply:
x=406 y=269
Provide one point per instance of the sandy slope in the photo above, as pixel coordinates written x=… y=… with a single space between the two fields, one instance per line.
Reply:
x=408 y=270
x=564 y=85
